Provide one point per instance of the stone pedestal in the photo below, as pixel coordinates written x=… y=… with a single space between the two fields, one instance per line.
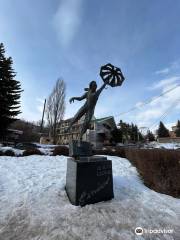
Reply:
x=77 y=148
x=89 y=178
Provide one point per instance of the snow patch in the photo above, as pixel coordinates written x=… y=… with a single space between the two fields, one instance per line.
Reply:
x=164 y=145
x=17 y=152
x=34 y=204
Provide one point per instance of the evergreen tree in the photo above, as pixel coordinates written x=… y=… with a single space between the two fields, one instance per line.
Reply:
x=150 y=136
x=135 y=133
x=162 y=131
x=124 y=130
x=10 y=90
x=140 y=136
x=177 y=132
x=130 y=132
x=116 y=135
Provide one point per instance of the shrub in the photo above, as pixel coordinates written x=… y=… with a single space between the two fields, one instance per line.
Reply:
x=9 y=153
x=120 y=152
x=61 y=150
x=34 y=151
x=159 y=168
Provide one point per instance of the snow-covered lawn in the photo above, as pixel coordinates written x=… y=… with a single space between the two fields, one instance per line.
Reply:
x=164 y=145
x=34 y=205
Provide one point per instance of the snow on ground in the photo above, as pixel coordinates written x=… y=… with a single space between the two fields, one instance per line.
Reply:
x=164 y=145
x=34 y=204
x=17 y=152
x=45 y=145
x=46 y=151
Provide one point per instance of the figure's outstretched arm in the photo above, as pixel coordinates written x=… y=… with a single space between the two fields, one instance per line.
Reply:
x=102 y=87
x=78 y=98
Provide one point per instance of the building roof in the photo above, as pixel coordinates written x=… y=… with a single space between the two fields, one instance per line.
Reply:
x=66 y=120
x=19 y=132
x=109 y=119
x=103 y=119
x=106 y=120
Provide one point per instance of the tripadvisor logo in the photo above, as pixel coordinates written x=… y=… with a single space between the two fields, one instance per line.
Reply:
x=139 y=231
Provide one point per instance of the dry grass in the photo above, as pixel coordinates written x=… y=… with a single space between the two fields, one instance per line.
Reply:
x=159 y=168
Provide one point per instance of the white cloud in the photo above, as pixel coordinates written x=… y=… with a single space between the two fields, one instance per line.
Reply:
x=173 y=66
x=167 y=104
x=164 y=83
x=67 y=20
x=163 y=71
x=170 y=125
x=139 y=104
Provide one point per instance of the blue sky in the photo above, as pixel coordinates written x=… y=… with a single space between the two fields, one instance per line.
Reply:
x=71 y=39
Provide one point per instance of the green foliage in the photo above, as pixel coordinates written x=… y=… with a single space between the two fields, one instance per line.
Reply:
x=150 y=136
x=10 y=91
x=129 y=132
x=162 y=131
x=177 y=132
x=116 y=135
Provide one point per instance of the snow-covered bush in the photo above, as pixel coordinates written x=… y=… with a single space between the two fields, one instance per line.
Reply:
x=9 y=153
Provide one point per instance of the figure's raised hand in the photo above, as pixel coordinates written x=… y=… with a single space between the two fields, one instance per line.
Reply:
x=71 y=100
x=106 y=81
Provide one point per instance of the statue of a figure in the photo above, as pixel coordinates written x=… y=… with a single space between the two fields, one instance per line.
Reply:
x=91 y=95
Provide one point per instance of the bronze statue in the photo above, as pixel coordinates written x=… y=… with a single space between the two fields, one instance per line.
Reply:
x=112 y=76
x=91 y=95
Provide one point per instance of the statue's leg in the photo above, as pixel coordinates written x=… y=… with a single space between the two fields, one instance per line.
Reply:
x=86 y=123
x=77 y=116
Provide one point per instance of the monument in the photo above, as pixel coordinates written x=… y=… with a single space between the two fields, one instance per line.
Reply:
x=89 y=178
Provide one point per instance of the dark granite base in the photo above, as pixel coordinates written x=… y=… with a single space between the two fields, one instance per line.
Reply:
x=89 y=180
x=79 y=148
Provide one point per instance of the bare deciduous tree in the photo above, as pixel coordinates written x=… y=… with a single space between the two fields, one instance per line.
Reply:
x=55 y=107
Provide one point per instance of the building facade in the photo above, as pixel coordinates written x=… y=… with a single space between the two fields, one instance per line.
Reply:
x=99 y=132
x=172 y=137
x=173 y=132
